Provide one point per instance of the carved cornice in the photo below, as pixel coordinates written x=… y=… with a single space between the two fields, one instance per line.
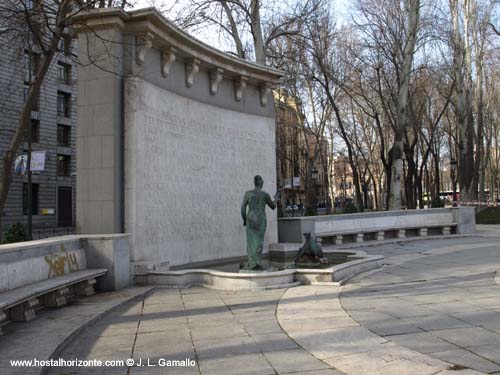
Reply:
x=240 y=84
x=215 y=80
x=167 y=59
x=144 y=42
x=264 y=91
x=166 y=35
x=192 y=68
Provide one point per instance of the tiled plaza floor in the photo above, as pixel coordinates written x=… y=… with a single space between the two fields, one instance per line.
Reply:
x=433 y=309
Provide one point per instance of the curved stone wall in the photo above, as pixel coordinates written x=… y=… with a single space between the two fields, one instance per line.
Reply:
x=170 y=135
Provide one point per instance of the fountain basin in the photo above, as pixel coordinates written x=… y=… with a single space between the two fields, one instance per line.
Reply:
x=357 y=262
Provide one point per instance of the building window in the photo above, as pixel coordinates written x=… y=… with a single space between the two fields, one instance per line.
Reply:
x=35 y=131
x=34 y=199
x=64 y=73
x=65 y=45
x=63 y=135
x=31 y=61
x=36 y=102
x=31 y=64
x=63 y=165
x=63 y=104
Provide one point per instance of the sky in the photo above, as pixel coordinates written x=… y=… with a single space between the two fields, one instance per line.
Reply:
x=213 y=37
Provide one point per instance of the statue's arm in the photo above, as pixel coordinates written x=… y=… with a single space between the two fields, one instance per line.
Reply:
x=244 y=209
x=270 y=202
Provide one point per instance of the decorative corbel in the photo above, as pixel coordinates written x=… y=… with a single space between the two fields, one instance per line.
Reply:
x=239 y=87
x=167 y=60
x=264 y=90
x=215 y=80
x=143 y=45
x=192 y=68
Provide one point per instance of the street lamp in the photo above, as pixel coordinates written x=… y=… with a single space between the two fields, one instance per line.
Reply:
x=453 y=175
x=364 y=187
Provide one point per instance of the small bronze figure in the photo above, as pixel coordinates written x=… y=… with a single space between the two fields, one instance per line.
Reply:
x=310 y=252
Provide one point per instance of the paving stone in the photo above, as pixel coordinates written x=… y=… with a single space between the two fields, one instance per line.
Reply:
x=294 y=360
x=389 y=359
x=452 y=307
x=437 y=322
x=479 y=318
x=467 y=359
x=422 y=342
x=392 y=327
x=490 y=352
x=244 y=364
x=464 y=337
x=226 y=347
x=315 y=372
x=274 y=341
x=179 y=338
x=209 y=333
x=262 y=326
x=308 y=324
x=337 y=342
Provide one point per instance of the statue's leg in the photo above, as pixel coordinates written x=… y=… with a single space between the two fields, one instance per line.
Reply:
x=252 y=248
x=259 y=237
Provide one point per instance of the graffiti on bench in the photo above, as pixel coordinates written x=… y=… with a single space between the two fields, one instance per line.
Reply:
x=58 y=262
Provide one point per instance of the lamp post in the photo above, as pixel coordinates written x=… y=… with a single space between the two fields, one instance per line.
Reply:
x=496 y=190
x=453 y=175
x=315 y=175
x=364 y=187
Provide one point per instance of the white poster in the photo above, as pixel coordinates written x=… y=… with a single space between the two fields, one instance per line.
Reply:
x=37 y=161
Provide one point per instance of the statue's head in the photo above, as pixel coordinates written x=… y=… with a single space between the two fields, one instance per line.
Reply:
x=258 y=181
x=307 y=235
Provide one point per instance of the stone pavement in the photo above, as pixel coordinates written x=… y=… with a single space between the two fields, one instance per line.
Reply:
x=40 y=338
x=224 y=332
x=433 y=309
x=438 y=298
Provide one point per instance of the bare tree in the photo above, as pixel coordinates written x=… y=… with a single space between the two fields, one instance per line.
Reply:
x=251 y=25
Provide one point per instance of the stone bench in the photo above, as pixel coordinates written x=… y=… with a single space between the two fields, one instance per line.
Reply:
x=378 y=225
x=20 y=304
x=359 y=234
x=49 y=272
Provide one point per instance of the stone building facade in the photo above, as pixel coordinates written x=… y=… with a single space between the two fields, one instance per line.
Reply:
x=302 y=177
x=53 y=131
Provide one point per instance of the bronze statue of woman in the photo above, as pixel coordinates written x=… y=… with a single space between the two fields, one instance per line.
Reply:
x=255 y=221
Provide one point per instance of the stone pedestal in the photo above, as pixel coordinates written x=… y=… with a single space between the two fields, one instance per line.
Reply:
x=85 y=288
x=56 y=298
x=338 y=240
x=24 y=311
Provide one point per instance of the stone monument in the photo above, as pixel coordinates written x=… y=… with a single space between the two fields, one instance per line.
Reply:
x=169 y=132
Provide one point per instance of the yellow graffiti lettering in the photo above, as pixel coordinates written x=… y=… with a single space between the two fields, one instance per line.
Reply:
x=58 y=263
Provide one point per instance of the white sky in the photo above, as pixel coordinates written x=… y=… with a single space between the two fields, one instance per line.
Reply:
x=215 y=39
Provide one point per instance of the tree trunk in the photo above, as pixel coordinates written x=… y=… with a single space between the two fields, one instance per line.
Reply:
x=256 y=28
x=413 y=8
